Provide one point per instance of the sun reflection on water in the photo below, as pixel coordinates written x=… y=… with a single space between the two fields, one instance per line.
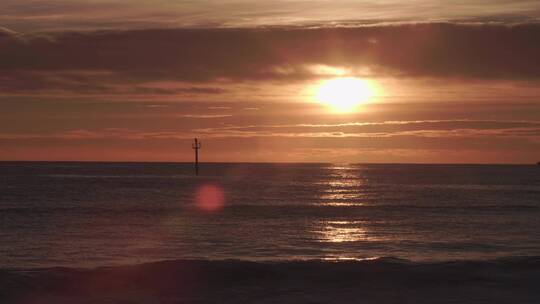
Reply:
x=344 y=185
x=341 y=231
x=342 y=188
x=340 y=258
x=341 y=204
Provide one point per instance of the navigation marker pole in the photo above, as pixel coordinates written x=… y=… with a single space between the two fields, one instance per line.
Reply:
x=196 y=146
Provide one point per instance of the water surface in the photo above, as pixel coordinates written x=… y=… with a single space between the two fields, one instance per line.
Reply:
x=92 y=214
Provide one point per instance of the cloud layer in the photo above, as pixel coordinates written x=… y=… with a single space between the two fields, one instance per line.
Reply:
x=124 y=62
x=28 y=15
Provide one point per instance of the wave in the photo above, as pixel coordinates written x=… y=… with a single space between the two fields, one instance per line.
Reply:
x=381 y=280
x=119 y=176
x=165 y=207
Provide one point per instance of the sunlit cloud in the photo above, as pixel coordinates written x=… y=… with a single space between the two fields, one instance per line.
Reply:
x=30 y=15
x=442 y=129
x=429 y=128
x=204 y=115
x=325 y=70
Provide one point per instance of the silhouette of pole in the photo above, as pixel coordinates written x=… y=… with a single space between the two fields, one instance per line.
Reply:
x=196 y=146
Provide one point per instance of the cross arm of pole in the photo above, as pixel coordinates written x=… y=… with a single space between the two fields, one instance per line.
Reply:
x=196 y=145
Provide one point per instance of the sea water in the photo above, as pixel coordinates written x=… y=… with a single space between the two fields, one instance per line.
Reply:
x=96 y=214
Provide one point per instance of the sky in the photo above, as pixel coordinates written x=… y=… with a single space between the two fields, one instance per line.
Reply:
x=114 y=80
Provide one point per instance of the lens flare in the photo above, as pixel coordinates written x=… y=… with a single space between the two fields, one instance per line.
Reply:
x=210 y=198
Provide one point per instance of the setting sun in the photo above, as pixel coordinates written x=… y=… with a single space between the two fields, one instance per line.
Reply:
x=344 y=94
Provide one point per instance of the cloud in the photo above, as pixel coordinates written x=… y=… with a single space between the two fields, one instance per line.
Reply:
x=416 y=141
x=201 y=55
x=90 y=82
x=103 y=134
x=204 y=115
x=4 y=31
x=427 y=128
x=422 y=128
x=121 y=14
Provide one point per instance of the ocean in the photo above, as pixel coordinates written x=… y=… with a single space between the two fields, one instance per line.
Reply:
x=105 y=214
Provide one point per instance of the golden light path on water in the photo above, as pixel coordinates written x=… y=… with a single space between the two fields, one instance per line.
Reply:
x=342 y=231
x=343 y=189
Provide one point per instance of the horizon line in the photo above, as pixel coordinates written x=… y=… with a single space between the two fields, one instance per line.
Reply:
x=262 y=162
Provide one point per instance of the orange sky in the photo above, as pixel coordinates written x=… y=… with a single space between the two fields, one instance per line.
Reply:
x=450 y=85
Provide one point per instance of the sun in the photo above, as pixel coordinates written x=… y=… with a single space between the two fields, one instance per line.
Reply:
x=344 y=95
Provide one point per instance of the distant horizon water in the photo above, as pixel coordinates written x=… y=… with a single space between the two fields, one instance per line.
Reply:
x=268 y=162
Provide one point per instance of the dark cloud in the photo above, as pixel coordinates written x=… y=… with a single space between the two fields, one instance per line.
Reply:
x=85 y=83
x=421 y=50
